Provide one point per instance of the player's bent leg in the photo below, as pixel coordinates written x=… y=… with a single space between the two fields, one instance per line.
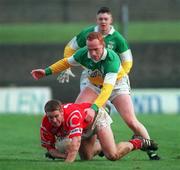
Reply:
x=107 y=142
x=126 y=109
x=124 y=106
x=111 y=150
x=128 y=115
x=89 y=148
x=124 y=148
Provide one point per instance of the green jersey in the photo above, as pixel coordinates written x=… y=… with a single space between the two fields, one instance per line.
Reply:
x=103 y=73
x=113 y=40
x=109 y=63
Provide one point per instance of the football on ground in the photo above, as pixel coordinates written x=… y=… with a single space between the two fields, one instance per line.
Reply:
x=63 y=144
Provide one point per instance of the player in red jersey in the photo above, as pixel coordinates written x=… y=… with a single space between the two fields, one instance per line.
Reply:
x=68 y=122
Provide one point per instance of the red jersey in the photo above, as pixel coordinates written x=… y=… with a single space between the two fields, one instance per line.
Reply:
x=73 y=125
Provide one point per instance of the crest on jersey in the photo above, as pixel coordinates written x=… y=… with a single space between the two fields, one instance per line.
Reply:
x=73 y=119
x=94 y=73
x=110 y=45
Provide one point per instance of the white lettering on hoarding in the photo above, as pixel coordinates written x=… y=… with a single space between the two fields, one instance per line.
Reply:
x=24 y=100
x=161 y=101
x=147 y=103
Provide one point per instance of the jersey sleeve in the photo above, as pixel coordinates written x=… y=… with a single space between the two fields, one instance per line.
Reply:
x=124 y=52
x=108 y=85
x=122 y=44
x=57 y=67
x=81 y=39
x=70 y=48
x=127 y=60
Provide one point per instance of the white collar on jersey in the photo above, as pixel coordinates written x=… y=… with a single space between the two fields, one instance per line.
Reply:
x=96 y=29
x=102 y=58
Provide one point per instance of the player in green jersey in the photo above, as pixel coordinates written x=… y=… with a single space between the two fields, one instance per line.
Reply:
x=115 y=41
x=103 y=65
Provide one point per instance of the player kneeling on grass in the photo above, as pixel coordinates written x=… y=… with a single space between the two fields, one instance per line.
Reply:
x=64 y=133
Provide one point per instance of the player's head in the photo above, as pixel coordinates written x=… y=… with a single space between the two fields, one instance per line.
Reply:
x=95 y=44
x=104 y=19
x=54 y=112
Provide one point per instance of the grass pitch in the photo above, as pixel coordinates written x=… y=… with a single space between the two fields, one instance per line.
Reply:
x=20 y=147
x=63 y=32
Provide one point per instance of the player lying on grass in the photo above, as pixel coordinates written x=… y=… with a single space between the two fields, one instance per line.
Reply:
x=67 y=122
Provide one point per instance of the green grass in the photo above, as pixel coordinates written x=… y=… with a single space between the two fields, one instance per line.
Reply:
x=38 y=33
x=20 y=147
x=154 y=31
x=60 y=33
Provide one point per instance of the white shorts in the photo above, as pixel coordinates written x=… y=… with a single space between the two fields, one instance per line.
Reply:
x=102 y=120
x=121 y=87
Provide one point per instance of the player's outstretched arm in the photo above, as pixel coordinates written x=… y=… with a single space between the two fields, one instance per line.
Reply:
x=55 y=68
x=73 y=149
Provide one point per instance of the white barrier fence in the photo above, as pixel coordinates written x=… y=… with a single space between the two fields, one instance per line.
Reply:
x=28 y=100
x=165 y=101
x=31 y=100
